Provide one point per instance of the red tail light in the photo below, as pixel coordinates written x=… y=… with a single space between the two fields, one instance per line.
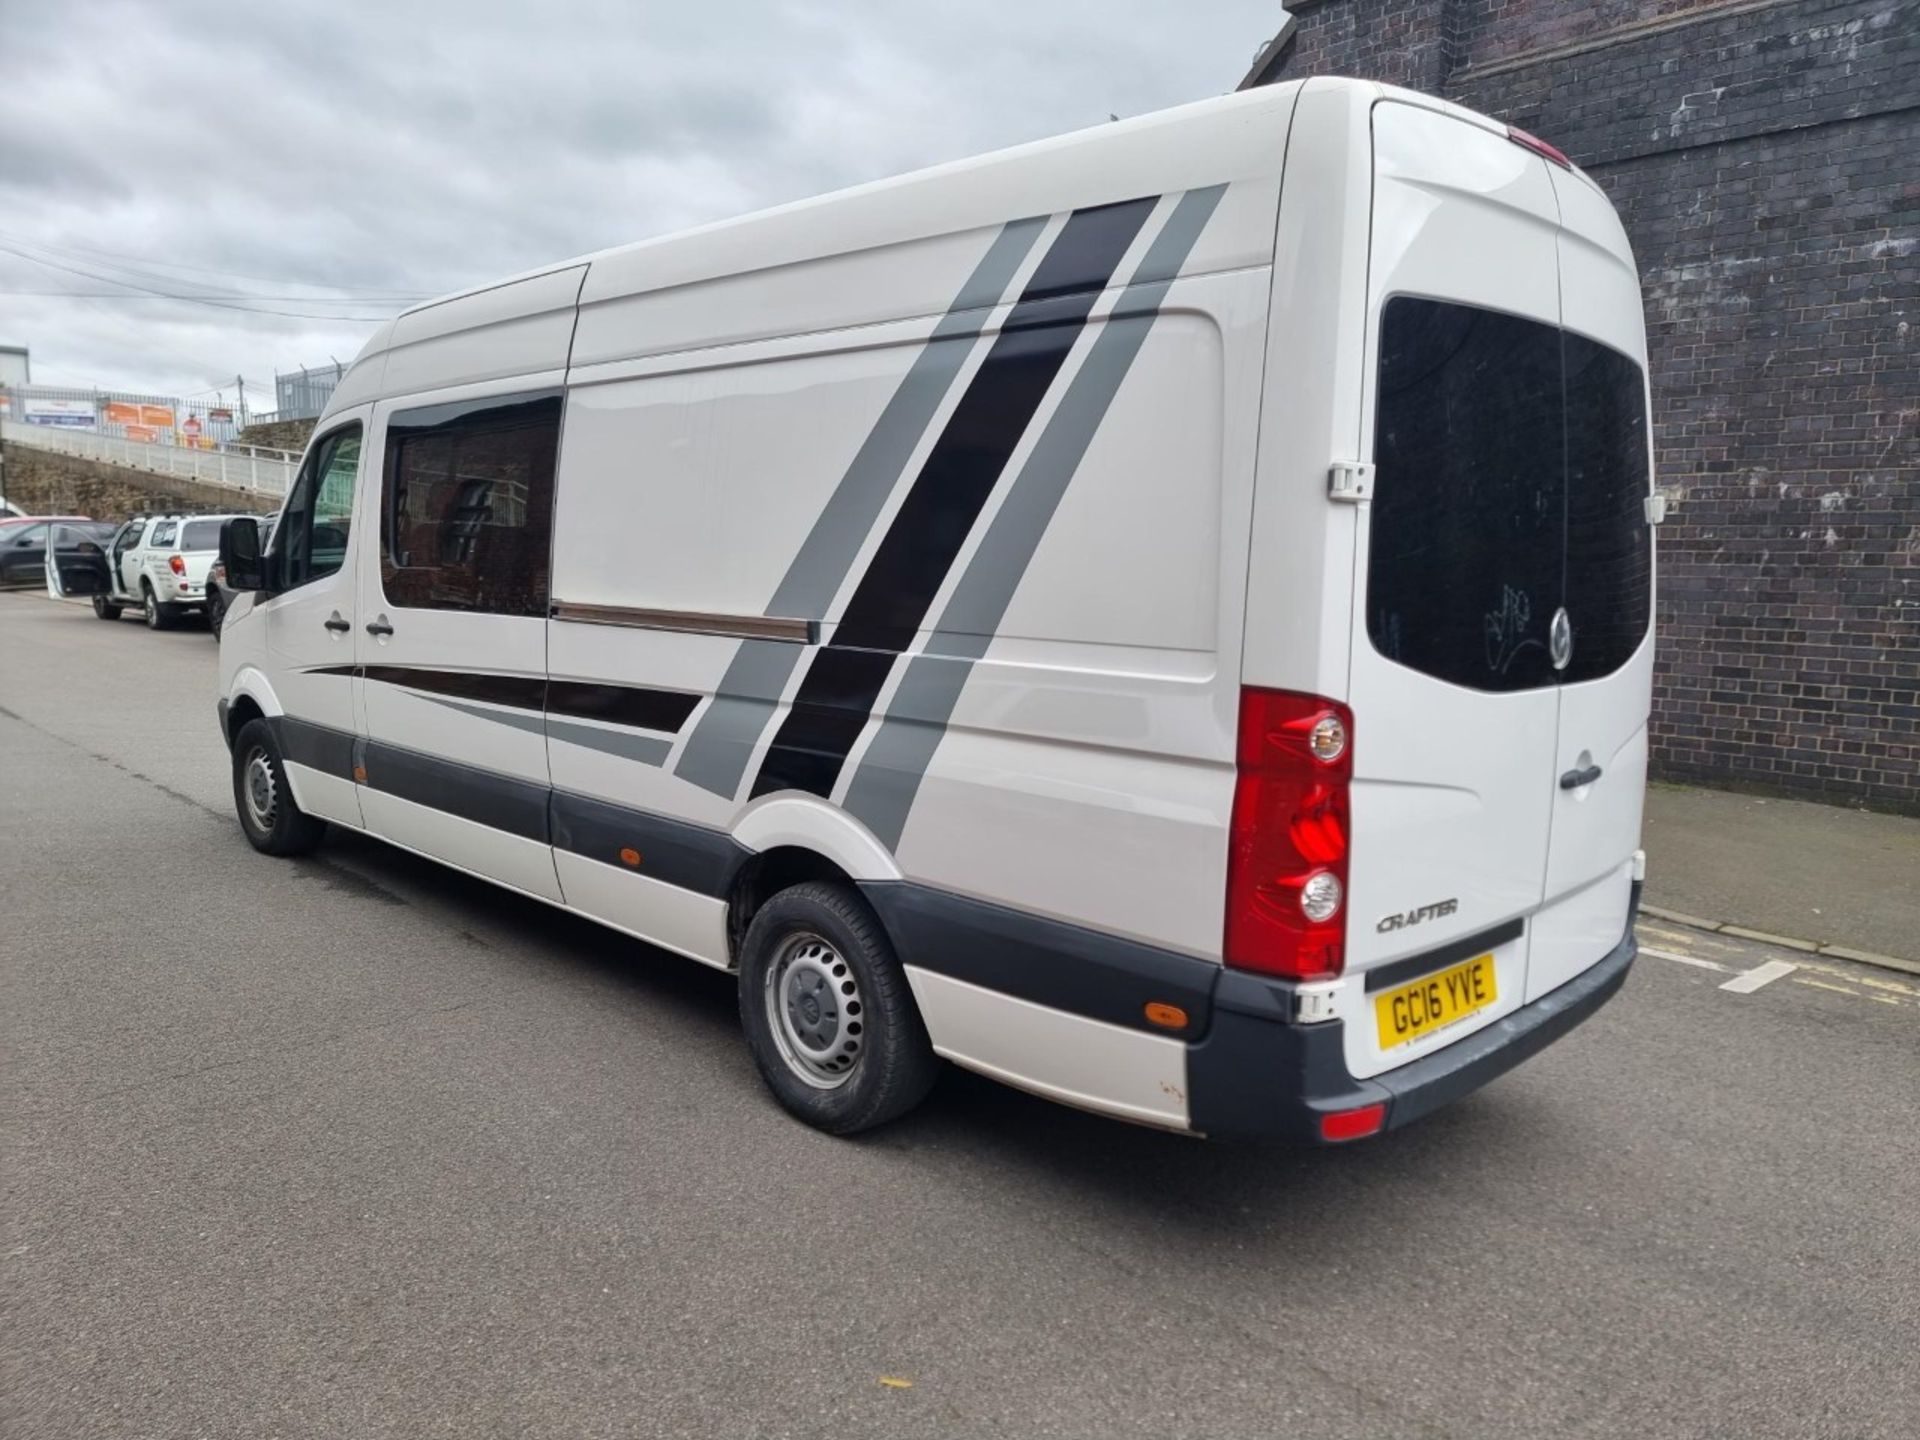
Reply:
x=176 y=564
x=1539 y=146
x=1287 y=855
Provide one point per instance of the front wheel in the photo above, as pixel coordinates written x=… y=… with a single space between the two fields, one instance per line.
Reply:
x=829 y=1017
x=105 y=609
x=274 y=824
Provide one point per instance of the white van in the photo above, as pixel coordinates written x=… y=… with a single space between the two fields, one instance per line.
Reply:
x=1159 y=617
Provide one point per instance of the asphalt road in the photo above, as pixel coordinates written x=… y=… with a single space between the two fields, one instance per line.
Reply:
x=357 y=1147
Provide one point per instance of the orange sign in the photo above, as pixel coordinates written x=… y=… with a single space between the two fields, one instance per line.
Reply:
x=119 y=412
x=142 y=432
x=160 y=417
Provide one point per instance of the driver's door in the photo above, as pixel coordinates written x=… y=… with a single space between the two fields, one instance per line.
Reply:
x=126 y=557
x=309 y=620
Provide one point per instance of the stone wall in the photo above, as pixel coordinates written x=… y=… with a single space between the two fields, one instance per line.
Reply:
x=1762 y=154
x=45 y=482
x=278 y=435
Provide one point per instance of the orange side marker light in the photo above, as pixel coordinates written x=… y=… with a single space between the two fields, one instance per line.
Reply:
x=629 y=855
x=1167 y=1017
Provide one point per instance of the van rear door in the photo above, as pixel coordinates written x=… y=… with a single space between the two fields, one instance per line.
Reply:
x=1458 y=567
x=1606 y=686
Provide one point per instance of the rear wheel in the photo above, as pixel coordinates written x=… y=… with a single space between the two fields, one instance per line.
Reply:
x=216 y=609
x=274 y=824
x=159 y=616
x=828 y=1014
x=105 y=609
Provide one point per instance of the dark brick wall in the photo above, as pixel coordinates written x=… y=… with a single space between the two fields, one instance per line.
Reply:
x=1765 y=158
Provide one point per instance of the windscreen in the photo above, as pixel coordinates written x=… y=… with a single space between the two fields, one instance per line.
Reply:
x=1510 y=470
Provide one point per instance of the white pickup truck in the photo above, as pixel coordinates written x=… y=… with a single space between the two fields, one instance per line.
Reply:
x=159 y=563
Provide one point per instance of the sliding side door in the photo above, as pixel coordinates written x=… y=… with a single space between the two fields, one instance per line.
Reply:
x=452 y=638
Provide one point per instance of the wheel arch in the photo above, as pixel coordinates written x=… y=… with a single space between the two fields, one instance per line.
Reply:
x=795 y=838
x=249 y=698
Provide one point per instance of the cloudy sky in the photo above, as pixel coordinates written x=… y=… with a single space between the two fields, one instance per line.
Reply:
x=331 y=160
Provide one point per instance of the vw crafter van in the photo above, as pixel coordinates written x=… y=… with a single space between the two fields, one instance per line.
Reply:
x=1158 y=616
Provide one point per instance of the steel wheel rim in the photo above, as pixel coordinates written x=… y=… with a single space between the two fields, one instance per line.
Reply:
x=257 y=789
x=815 y=1011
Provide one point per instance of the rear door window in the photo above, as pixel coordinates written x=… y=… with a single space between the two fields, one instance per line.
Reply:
x=1511 y=469
x=201 y=535
x=1609 y=545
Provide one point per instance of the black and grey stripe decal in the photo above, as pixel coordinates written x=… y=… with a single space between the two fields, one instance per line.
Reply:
x=888 y=778
x=552 y=707
x=716 y=753
x=838 y=692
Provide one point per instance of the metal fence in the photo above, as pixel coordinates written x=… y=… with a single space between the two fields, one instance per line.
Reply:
x=160 y=419
x=304 y=394
x=238 y=467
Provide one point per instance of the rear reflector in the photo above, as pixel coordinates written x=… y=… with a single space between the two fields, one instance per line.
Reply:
x=1539 y=146
x=1354 y=1124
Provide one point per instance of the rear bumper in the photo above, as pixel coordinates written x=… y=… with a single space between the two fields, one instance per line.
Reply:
x=1259 y=1074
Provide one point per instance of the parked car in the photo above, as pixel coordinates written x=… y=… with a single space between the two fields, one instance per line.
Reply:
x=218 y=595
x=1159 y=616
x=160 y=563
x=23 y=547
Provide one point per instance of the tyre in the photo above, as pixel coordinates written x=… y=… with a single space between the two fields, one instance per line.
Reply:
x=105 y=609
x=159 y=616
x=828 y=1015
x=275 y=825
x=216 y=609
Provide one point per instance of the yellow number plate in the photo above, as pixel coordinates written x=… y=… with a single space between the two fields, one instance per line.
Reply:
x=1434 y=1001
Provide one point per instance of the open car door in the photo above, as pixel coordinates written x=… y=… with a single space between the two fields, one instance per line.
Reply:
x=77 y=560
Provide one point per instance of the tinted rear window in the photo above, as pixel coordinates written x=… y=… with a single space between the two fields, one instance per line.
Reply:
x=1609 y=545
x=1511 y=465
x=1464 y=568
x=201 y=535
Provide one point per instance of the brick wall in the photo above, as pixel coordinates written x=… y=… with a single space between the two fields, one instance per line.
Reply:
x=45 y=482
x=1765 y=158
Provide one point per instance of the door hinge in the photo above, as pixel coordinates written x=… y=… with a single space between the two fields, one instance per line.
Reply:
x=1350 y=481
x=1655 y=506
x=1314 y=1004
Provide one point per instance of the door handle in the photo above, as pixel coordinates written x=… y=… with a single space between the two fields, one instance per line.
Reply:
x=334 y=623
x=1574 y=779
x=379 y=626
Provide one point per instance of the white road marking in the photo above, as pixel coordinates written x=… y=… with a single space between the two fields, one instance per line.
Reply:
x=1686 y=959
x=1748 y=981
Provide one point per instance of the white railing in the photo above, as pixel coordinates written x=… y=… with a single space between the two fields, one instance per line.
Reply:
x=238 y=467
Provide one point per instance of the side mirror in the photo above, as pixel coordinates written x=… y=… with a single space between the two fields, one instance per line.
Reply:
x=240 y=554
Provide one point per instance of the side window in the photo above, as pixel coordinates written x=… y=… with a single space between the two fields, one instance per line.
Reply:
x=468 y=505
x=128 y=537
x=163 y=533
x=311 y=538
x=28 y=536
